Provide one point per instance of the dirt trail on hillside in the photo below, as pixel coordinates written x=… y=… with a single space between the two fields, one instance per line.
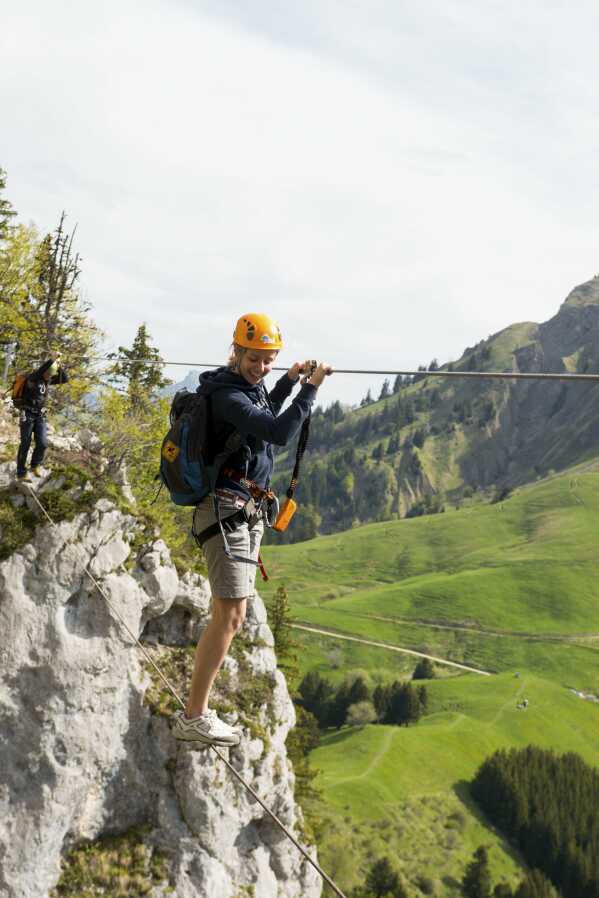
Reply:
x=475 y=630
x=378 y=757
x=392 y=648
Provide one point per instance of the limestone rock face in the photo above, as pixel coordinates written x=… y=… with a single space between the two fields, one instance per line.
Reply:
x=80 y=753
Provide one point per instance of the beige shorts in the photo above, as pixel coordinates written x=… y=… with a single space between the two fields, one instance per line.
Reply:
x=229 y=579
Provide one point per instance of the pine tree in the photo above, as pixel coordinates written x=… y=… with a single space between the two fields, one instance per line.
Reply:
x=359 y=691
x=535 y=885
x=477 y=879
x=280 y=621
x=397 y=712
x=302 y=738
x=41 y=306
x=140 y=368
x=6 y=210
x=368 y=400
x=415 y=702
x=315 y=694
x=385 y=389
x=378 y=452
x=393 y=444
x=424 y=670
x=339 y=706
x=382 y=880
x=419 y=437
x=381 y=698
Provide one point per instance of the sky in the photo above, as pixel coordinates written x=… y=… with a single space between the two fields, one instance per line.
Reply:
x=392 y=181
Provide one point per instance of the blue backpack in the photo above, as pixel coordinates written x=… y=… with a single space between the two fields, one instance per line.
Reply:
x=192 y=455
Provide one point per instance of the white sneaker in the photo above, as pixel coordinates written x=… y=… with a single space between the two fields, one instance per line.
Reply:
x=206 y=728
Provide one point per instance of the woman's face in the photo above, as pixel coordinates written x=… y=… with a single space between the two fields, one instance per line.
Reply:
x=255 y=364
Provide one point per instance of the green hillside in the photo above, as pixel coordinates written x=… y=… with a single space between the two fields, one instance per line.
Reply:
x=511 y=587
x=403 y=792
x=430 y=442
x=515 y=582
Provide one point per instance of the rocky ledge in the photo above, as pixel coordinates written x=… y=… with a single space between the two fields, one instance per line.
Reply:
x=85 y=744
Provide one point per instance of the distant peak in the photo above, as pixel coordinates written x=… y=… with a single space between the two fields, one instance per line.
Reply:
x=586 y=294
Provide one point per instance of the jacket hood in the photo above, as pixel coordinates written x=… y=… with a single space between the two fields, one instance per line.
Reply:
x=223 y=377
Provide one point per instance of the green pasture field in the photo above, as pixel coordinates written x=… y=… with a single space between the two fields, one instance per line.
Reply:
x=526 y=570
x=403 y=791
x=567 y=663
x=507 y=587
x=528 y=563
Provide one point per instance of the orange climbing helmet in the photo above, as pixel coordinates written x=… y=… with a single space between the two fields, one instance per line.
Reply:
x=257 y=331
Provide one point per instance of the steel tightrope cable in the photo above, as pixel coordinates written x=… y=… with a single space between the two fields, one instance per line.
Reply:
x=180 y=701
x=437 y=372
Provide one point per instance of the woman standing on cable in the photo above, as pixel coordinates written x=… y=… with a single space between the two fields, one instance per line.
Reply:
x=229 y=524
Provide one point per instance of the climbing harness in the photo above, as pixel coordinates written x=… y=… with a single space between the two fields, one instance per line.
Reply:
x=181 y=703
x=262 y=504
x=259 y=493
x=250 y=514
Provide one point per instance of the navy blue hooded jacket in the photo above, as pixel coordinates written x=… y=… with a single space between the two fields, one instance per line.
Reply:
x=254 y=413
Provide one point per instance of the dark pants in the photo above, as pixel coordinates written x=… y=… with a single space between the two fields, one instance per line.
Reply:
x=32 y=424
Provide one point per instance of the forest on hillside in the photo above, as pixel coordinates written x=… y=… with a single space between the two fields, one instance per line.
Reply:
x=362 y=464
x=426 y=441
x=547 y=805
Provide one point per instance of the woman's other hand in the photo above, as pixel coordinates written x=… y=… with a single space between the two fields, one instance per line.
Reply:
x=304 y=368
x=319 y=374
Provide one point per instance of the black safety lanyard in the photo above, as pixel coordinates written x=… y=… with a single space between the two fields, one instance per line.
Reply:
x=302 y=443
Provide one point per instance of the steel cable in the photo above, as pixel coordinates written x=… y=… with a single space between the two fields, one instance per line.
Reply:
x=438 y=372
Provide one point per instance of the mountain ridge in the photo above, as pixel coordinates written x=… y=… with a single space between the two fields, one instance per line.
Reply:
x=432 y=441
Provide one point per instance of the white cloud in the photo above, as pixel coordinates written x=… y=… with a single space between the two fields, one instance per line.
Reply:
x=391 y=184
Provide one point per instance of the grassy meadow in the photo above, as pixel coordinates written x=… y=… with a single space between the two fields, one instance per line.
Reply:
x=512 y=588
x=512 y=584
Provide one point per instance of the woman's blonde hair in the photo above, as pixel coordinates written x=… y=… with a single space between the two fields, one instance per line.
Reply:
x=235 y=353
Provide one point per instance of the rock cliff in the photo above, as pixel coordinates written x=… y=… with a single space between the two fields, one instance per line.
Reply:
x=85 y=745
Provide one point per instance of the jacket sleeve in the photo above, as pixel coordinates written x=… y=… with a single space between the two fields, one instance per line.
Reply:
x=60 y=378
x=238 y=409
x=39 y=372
x=281 y=390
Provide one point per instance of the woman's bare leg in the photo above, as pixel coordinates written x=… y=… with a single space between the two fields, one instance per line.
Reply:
x=226 y=620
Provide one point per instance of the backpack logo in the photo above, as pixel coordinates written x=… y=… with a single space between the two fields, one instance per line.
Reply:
x=170 y=451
